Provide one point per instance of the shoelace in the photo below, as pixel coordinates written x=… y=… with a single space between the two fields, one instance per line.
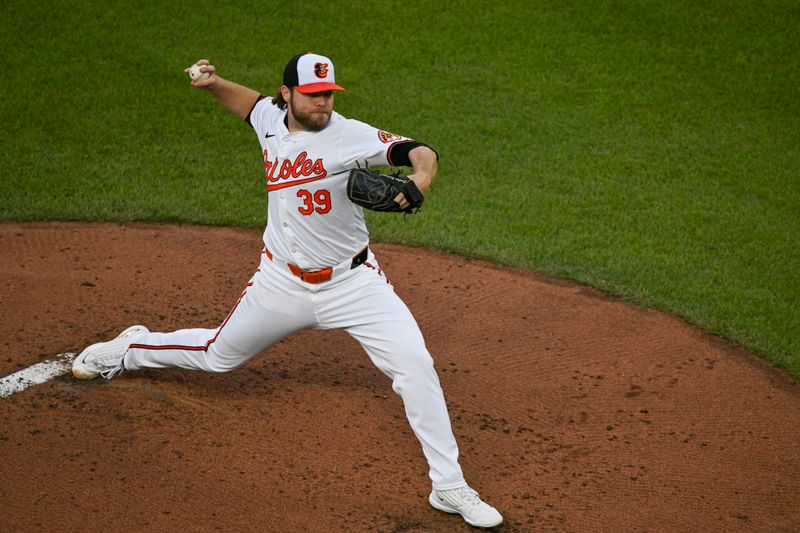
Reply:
x=468 y=496
x=108 y=374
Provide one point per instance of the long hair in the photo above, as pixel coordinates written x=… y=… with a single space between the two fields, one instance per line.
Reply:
x=279 y=101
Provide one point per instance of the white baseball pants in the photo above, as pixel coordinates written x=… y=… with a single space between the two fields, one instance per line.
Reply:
x=361 y=301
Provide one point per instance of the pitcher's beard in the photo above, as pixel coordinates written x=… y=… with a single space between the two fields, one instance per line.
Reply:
x=312 y=121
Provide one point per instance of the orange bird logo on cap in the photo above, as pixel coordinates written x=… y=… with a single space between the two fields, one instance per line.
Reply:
x=321 y=70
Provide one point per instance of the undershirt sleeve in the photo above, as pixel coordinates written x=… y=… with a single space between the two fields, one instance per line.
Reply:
x=398 y=153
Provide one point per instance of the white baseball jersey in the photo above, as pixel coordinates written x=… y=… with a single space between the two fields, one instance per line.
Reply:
x=312 y=223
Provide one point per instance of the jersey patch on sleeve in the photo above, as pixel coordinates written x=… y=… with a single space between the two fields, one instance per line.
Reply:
x=387 y=137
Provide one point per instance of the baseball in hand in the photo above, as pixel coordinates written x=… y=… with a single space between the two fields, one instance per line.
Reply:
x=196 y=74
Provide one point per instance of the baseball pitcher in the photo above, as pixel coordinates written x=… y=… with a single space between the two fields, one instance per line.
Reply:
x=316 y=268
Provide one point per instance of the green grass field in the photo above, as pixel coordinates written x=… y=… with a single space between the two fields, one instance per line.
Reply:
x=649 y=149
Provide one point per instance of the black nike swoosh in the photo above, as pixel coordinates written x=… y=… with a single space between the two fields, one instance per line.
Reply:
x=268 y=135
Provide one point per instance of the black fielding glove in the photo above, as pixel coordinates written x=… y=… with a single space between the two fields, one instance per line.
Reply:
x=376 y=191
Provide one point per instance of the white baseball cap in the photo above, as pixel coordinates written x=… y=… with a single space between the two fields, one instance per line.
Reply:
x=310 y=73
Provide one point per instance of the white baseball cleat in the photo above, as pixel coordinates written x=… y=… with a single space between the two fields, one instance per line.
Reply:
x=105 y=358
x=466 y=502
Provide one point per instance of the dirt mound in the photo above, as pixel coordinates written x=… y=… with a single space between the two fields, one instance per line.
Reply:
x=573 y=411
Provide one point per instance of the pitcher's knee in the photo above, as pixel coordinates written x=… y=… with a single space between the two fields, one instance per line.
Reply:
x=416 y=369
x=217 y=362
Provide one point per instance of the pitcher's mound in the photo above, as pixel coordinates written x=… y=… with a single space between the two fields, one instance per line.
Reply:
x=573 y=411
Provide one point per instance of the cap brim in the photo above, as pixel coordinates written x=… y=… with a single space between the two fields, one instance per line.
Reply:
x=318 y=87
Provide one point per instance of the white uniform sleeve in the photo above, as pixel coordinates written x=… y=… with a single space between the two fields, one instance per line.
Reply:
x=365 y=145
x=259 y=117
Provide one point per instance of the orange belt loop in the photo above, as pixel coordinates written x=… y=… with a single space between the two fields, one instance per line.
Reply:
x=318 y=276
x=295 y=270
